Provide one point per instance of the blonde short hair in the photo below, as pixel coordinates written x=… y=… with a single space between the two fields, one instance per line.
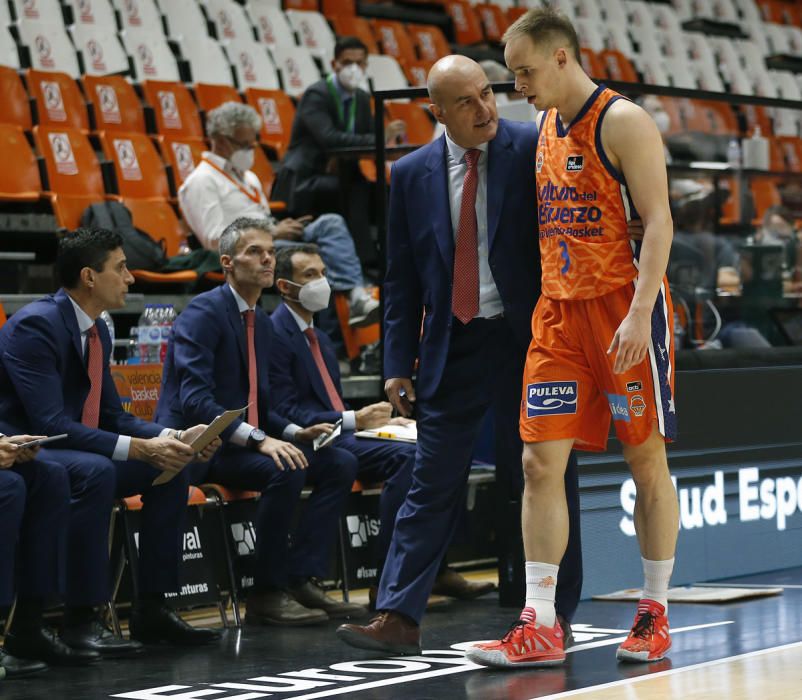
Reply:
x=544 y=25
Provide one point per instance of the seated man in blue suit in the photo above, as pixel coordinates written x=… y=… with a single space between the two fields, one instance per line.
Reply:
x=34 y=512
x=212 y=366
x=305 y=380
x=55 y=378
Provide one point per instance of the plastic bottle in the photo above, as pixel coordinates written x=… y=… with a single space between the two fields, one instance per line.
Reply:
x=149 y=337
x=756 y=151
x=166 y=320
x=734 y=153
x=133 y=346
x=106 y=316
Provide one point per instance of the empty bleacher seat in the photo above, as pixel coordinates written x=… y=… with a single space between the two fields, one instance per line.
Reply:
x=153 y=59
x=101 y=50
x=14 y=107
x=277 y=112
x=297 y=68
x=211 y=96
x=230 y=20
x=272 y=27
x=338 y=8
x=419 y=126
x=9 y=54
x=50 y=47
x=58 y=99
x=252 y=65
x=417 y=72
x=207 y=60
x=113 y=103
x=385 y=73
x=19 y=179
x=158 y=219
x=429 y=41
x=93 y=13
x=467 y=27
x=182 y=155
x=139 y=169
x=73 y=172
x=592 y=64
x=346 y=25
x=618 y=66
x=314 y=33
x=48 y=11
x=494 y=21
x=394 y=40
x=140 y=14
x=175 y=111
x=184 y=18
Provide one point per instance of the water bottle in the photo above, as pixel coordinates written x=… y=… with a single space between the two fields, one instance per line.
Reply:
x=149 y=337
x=734 y=153
x=133 y=346
x=166 y=320
x=106 y=316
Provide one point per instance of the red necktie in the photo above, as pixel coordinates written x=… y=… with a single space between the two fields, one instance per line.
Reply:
x=91 y=413
x=465 y=294
x=253 y=401
x=314 y=346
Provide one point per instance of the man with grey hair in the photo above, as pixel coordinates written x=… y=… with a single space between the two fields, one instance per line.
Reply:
x=223 y=187
x=211 y=366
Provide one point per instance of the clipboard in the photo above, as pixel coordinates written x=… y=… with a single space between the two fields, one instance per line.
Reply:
x=200 y=443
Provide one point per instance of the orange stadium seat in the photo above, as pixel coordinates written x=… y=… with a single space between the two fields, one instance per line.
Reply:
x=764 y=195
x=114 y=104
x=175 y=111
x=58 y=98
x=776 y=154
x=417 y=72
x=277 y=112
x=429 y=41
x=182 y=155
x=346 y=25
x=792 y=152
x=757 y=116
x=514 y=13
x=301 y=5
x=467 y=27
x=211 y=96
x=73 y=172
x=338 y=8
x=419 y=126
x=19 y=178
x=592 y=64
x=264 y=171
x=394 y=40
x=494 y=21
x=618 y=66
x=14 y=107
x=140 y=171
x=159 y=220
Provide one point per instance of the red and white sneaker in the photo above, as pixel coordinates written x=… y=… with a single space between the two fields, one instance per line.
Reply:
x=525 y=644
x=649 y=639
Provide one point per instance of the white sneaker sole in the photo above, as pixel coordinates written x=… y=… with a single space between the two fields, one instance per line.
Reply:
x=638 y=657
x=498 y=659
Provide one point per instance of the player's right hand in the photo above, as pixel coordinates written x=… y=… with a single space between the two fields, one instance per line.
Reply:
x=401 y=394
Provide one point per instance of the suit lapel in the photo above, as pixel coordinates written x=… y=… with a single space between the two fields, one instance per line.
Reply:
x=497 y=174
x=302 y=350
x=71 y=322
x=235 y=320
x=436 y=186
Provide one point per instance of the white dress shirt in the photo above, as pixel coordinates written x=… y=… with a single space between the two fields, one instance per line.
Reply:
x=349 y=417
x=489 y=298
x=123 y=446
x=210 y=201
x=243 y=432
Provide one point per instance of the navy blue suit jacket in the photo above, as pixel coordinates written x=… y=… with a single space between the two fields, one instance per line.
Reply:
x=420 y=250
x=206 y=367
x=298 y=390
x=44 y=381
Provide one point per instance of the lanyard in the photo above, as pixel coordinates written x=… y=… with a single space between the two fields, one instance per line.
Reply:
x=254 y=197
x=335 y=93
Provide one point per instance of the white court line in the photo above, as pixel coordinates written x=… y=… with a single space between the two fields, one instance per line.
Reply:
x=466 y=667
x=748 y=585
x=671 y=672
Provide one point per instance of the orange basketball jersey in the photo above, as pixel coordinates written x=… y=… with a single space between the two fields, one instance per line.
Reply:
x=583 y=206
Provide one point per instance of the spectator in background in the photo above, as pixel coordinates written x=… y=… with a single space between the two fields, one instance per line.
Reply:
x=34 y=514
x=778 y=229
x=334 y=113
x=54 y=379
x=223 y=187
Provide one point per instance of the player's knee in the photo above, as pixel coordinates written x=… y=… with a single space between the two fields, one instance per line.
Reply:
x=538 y=470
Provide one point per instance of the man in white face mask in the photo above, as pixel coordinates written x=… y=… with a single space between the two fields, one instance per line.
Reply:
x=223 y=187
x=334 y=113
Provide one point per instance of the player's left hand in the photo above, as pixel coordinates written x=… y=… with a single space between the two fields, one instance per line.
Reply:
x=631 y=340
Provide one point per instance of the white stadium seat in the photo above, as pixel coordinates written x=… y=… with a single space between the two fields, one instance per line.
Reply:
x=272 y=27
x=230 y=19
x=9 y=56
x=140 y=14
x=153 y=59
x=589 y=34
x=385 y=73
x=184 y=19
x=207 y=60
x=48 y=11
x=297 y=68
x=49 y=45
x=252 y=65
x=313 y=32
x=777 y=38
x=94 y=13
x=101 y=50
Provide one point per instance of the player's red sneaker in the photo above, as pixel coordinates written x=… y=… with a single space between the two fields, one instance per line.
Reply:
x=525 y=644
x=649 y=639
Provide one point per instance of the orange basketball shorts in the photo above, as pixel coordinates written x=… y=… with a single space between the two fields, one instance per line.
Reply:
x=569 y=388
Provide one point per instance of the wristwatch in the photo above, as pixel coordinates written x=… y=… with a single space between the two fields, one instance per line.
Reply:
x=256 y=438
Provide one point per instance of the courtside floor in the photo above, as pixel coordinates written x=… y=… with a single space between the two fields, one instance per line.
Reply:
x=749 y=650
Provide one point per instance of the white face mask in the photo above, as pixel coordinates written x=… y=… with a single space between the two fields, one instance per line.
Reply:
x=242 y=159
x=663 y=121
x=314 y=296
x=351 y=76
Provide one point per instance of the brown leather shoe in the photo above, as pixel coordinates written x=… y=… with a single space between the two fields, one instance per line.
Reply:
x=389 y=632
x=568 y=635
x=451 y=583
x=280 y=608
x=312 y=595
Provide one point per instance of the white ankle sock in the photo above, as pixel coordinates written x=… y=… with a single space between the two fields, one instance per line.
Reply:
x=656 y=575
x=541 y=585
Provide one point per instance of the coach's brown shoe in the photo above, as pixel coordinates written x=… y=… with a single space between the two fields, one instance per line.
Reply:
x=453 y=584
x=389 y=632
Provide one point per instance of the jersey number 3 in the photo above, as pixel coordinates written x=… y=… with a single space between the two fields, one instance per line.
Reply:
x=565 y=257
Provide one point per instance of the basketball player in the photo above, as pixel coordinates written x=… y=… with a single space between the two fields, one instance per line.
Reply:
x=602 y=331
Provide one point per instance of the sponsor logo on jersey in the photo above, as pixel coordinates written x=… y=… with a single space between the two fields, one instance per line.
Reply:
x=551 y=398
x=539 y=162
x=618 y=407
x=637 y=405
x=634 y=386
x=575 y=163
